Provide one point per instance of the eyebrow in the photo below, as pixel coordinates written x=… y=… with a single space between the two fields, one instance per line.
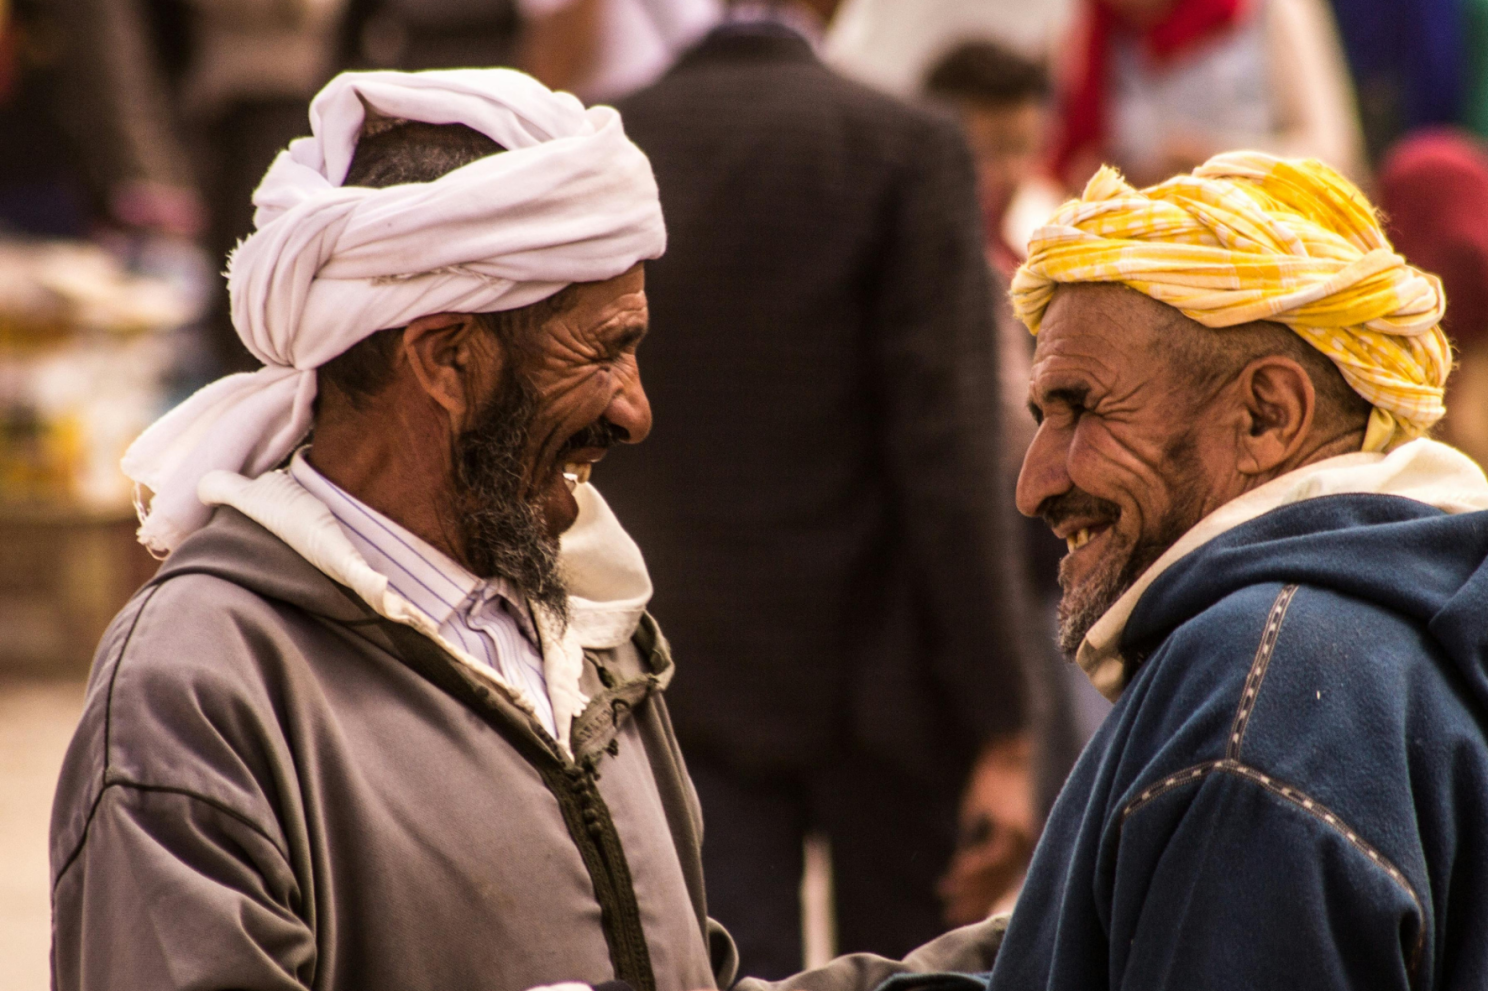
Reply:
x=629 y=334
x=1067 y=395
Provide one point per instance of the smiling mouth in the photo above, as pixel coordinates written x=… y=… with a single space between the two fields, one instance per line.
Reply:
x=1085 y=535
x=576 y=473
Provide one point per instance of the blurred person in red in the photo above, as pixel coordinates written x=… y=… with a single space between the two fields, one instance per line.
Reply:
x=1433 y=189
x=1001 y=100
x=1157 y=86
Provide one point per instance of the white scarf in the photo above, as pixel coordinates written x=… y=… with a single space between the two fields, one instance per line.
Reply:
x=571 y=200
x=609 y=586
x=1425 y=470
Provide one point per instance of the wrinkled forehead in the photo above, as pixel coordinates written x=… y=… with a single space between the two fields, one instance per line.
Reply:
x=1104 y=318
x=595 y=310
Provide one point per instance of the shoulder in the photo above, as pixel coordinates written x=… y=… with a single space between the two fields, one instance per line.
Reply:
x=1296 y=669
x=1347 y=669
x=191 y=636
x=1360 y=707
x=182 y=698
x=1308 y=685
x=1339 y=708
x=1178 y=709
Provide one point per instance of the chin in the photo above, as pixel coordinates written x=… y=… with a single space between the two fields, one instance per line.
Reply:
x=1087 y=597
x=557 y=507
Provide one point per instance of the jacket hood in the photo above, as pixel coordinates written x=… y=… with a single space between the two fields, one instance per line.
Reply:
x=239 y=550
x=303 y=546
x=1398 y=553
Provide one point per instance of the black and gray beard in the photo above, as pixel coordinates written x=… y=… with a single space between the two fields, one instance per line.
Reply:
x=1084 y=604
x=502 y=532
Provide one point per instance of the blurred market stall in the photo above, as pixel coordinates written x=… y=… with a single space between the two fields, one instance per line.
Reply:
x=91 y=350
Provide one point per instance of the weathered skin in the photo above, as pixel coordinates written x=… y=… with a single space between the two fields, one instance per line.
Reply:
x=394 y=453
x=1130 y=450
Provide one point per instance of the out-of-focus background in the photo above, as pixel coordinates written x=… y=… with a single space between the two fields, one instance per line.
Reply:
x=132 y=133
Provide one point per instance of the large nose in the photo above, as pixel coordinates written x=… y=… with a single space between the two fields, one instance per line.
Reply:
x=630 y=410
x=1045 y=469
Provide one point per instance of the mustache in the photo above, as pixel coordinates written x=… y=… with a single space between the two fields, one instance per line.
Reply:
x=601 y=433
x=1077 y=504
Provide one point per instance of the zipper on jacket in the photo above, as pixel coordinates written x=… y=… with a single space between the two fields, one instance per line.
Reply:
x=573 y=785
x=593 y=832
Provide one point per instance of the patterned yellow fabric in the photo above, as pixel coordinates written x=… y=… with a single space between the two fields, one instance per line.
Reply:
x=1250 y=237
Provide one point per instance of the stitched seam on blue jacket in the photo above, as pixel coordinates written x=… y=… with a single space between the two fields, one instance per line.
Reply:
x=1258 y=670
x=1303 y=801
x=1232 y=765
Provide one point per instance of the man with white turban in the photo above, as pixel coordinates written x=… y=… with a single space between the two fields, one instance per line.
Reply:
x=1280 y=581
x=390 y=715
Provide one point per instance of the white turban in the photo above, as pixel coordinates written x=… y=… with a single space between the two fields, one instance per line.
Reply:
x=571 y=200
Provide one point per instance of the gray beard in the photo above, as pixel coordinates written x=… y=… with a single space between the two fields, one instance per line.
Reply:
x=502 y=532
x=1082 y=606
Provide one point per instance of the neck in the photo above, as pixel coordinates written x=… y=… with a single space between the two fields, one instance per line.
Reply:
x=1317 y=447
x=393 y=457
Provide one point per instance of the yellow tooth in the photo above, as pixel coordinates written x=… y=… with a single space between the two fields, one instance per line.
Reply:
x=576 y=473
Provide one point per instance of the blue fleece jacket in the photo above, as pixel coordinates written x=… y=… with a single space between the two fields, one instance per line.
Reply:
x=1292 y=792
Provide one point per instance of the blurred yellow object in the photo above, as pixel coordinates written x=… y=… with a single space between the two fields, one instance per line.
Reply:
x=83 y=358
x=1248 y=237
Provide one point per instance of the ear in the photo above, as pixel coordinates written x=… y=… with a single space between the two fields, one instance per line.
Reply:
x=1279 y=403
x=453 y=358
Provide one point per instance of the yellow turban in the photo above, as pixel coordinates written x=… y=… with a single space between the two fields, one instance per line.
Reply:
x=1251 y=237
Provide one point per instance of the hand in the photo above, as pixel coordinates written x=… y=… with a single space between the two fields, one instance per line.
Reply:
x=997 y=832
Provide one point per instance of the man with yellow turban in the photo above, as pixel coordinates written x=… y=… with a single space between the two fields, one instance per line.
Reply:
x=1280 y=580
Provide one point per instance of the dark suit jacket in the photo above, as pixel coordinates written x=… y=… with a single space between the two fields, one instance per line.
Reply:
x=820 y=501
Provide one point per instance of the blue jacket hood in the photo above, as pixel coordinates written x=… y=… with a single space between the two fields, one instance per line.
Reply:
x=1401 y=554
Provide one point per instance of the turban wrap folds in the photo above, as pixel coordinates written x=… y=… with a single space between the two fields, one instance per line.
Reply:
x=570 y=200
x=1248 y=237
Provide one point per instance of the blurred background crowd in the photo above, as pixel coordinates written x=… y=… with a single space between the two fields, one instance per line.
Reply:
x=902 y=772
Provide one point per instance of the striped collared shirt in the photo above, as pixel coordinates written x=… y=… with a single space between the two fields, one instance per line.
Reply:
x=487 y=618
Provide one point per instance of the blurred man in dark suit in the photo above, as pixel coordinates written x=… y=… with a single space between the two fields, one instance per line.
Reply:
x=822 y=505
